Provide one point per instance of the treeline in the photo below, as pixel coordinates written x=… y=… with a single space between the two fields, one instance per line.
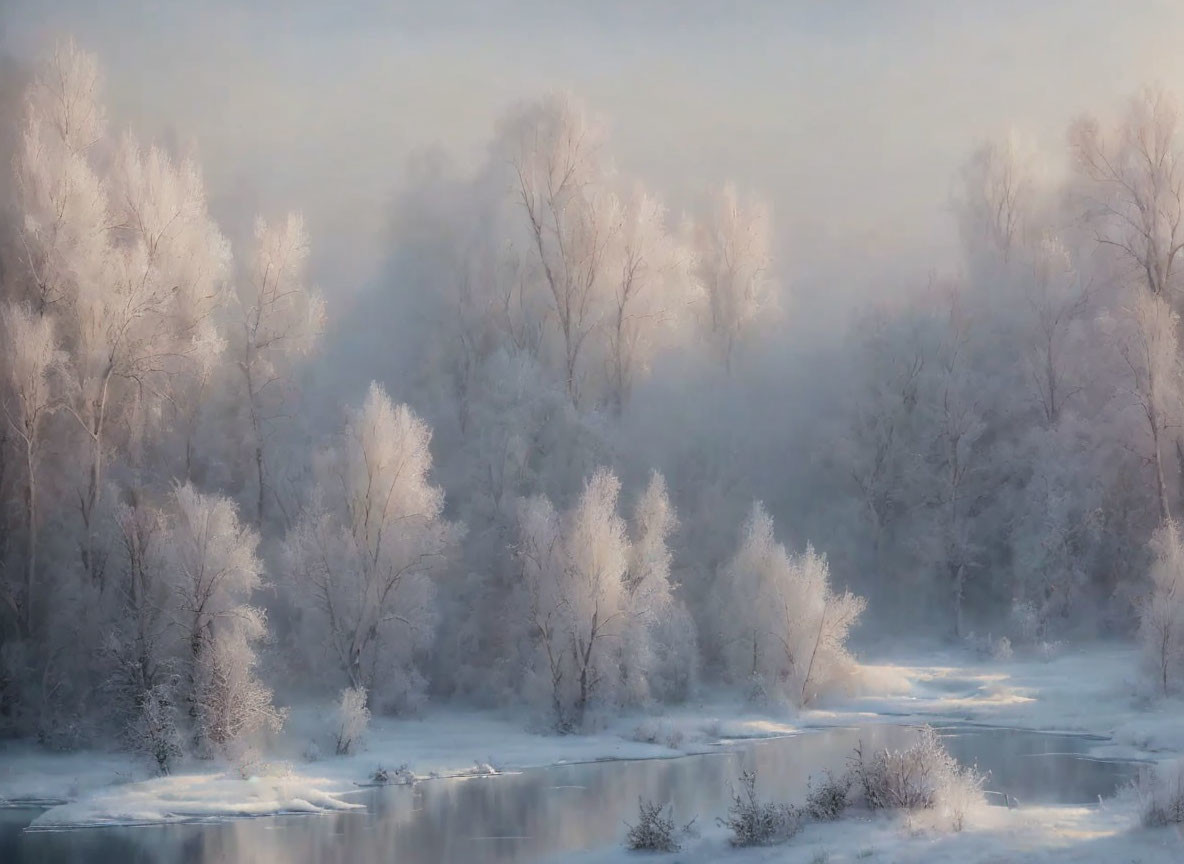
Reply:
x=179 y=543
x=548 y=495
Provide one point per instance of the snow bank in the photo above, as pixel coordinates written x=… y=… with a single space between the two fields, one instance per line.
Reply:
x=1091 y=690
x=195 y=796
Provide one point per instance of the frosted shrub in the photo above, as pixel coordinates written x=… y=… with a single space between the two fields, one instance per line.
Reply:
x=1161 y=795
x=401 y=776
x=654 y=831
x=352 y=719
x=782 y=628
x=922 y=777
x=1025 y=621
x=759 y=823
x=1001 y=649
x=1161 y=612
x=756 y=693
x=574 y=570
x=828 y=798
x=154 y=729
x=231 y=704
x=1050 y=650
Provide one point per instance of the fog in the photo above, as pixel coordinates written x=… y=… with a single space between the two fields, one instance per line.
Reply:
x=576 y=360
x=850 y=118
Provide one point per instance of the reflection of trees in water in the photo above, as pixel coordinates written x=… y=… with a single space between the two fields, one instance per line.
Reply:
x=513 y=817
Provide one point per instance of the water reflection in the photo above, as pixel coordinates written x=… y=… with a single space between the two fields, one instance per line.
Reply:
x=527 y=816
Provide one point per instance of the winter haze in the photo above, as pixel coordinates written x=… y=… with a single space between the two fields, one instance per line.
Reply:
x=401 y=393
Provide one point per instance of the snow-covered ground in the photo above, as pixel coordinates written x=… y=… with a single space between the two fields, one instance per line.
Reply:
x=1089 y=690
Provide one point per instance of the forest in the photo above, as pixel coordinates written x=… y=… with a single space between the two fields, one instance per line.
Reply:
x=571 y=454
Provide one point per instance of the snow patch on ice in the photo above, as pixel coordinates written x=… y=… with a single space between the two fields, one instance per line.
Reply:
x=196 y=796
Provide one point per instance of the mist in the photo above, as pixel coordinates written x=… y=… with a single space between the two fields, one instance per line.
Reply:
x=850 y=120
x=587 y=381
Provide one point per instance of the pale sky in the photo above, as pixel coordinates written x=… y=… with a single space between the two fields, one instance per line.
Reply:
x=851 y=118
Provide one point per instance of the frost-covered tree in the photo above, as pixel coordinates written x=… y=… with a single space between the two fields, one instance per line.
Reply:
x=574 y=568
x=1149 y=348
x=279 y=319
x=31 y=361
x=781 y=628
x=231 y=703
x=1059 y=298
x=649 y=592
x=127 y=261
x=1161 y=612
x=650 y=294
x=62 y=200
x=214 y=571
x=1135 y=185
x=734 y=259
x=879 y=453
x=142 y=645
x=994 y=200
x=154 y=729
x=955 y=457
x=363 y=553
x=352 y=719
x=573 y=219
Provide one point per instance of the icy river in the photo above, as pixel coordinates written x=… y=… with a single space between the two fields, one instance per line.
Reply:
x=543 y=813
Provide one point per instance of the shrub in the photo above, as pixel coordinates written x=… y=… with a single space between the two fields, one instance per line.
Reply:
x=827 y=800
x=352 y=719
x=654 y=831
x=922 y=777
x=401 y=776
x=652 y=732
x=154 y=729
x=758 y=823
x=1161 y=795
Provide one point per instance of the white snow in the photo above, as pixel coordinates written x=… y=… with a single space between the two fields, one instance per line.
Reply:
x=196 y=796
x=1089 y=690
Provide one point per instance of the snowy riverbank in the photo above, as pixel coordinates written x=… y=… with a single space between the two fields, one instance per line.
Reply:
x=1091 y=690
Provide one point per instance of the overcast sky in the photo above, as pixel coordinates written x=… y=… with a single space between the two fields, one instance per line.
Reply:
x=850 y=117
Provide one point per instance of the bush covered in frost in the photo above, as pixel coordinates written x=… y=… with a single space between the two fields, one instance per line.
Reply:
x=759 y=823
x=921 y=777
x=1161 y=795
x=654 y=831
x=829 y=797
x=352 y=719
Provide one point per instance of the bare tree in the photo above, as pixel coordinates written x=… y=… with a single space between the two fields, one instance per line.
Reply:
x=955 y=455
x=994 y=199
x=574 y=219
x=279 y=319
x=31 y=363
x=880 y=451
x=1135 y=193
x=1151 y=354
x=1161 y=612
x=734 y=260
x=649 y=295
x=1059 y=298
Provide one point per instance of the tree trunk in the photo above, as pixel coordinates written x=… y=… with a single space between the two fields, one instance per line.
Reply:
x=813 y=655
x=31 y=538
x=259 y=476
x=1160 y=485
x=95 y=489
x=959 y=580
